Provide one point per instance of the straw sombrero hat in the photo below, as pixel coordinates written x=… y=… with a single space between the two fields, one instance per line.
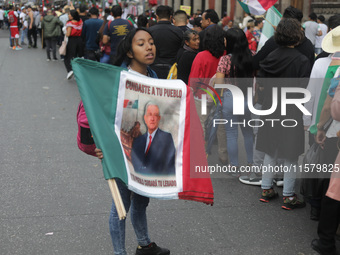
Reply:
x=331 y=42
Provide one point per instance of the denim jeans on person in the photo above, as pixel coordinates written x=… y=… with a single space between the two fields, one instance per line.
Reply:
x=51 y=45
x=105 y=59
x=137 y=204
x=289 y=176
x=258 y=155
x=232 y=129
x=23 y=35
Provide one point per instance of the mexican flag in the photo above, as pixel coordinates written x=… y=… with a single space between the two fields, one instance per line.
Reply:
x=273 y=18
x=172 y=167
x=131 y=21
x=256 y=7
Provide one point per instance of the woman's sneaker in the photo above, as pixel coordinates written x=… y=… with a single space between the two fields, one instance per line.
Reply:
x=292 y=202
x=69 y=75
x=152 y=249
x=268 y=194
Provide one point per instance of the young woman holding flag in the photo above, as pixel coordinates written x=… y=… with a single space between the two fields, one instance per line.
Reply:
x=136 y=52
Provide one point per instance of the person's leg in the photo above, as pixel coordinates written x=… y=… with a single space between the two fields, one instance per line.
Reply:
x=248 y=135
x=17 y=42
x=11 y=42
x=269 y=163
x=231 y=127
x=34 y=37
x=54 y=47
x=290 y=199
x=289 y=177
x=30 y=34
x=22 y=36
x=138 y=218
x=117 y=226
x=328 y=225
x=222 y=139
x=70 y=53
x=80 y=48
x=48 y=47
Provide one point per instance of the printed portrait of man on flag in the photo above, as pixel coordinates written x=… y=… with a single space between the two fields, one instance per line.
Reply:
x=153 y=153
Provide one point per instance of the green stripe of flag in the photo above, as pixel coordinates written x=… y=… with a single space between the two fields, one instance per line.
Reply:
x=244 y=6
x=98 y=86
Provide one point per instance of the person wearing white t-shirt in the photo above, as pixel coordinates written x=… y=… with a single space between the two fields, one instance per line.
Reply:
x=323 y=27
x=1 y=17
x=312 y=28
x=24 y=29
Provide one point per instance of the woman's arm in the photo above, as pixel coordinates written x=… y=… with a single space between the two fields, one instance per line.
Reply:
x=68 y=31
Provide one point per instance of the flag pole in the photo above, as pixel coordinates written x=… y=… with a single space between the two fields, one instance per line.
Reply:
x=269 y=22
x=117 y=199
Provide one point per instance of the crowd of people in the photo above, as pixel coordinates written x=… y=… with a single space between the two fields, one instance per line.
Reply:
x=212 y=50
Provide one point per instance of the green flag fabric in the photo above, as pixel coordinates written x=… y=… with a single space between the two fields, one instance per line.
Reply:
x=102 y=113
x=273 y=17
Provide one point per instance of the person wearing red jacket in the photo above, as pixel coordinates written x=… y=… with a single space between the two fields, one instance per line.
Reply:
x=250 y=37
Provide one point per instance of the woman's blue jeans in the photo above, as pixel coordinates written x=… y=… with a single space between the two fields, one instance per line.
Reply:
x=232 y=129
x=289 y=175
x=137 y=204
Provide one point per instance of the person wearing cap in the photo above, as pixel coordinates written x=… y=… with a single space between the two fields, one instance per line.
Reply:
x=23 y=20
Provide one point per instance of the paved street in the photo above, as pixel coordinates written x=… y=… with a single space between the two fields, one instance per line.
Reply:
x=55 y=201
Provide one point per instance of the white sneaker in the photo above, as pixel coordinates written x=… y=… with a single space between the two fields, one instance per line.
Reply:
x=278 y=182
x=69 y=75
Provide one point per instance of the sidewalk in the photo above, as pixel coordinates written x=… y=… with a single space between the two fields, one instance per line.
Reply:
x=54 y=199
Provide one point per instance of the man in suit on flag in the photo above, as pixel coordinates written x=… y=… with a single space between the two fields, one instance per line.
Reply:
x=153 y=153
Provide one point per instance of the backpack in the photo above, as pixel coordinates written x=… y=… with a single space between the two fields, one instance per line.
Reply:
x=173 y=72
x=84 y=137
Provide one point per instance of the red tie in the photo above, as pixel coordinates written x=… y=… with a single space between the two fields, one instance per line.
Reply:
x=147 y=149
